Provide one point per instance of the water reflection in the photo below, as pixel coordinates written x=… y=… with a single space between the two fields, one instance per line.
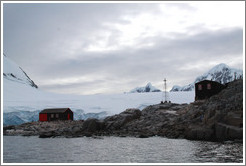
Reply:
x=218 y=152
x=17 y=149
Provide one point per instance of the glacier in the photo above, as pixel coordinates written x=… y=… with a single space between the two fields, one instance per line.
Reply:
x=22 y=101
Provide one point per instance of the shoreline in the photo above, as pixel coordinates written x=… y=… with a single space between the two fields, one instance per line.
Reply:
x=219 y=118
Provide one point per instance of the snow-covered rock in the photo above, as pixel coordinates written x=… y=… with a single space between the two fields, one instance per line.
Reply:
x=147 y=88
x=176 y=88
x=221 y=73
x=13 y=72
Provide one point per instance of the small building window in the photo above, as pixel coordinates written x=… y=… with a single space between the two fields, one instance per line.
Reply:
x=208 y=86
x=57 y=115
x=199 y=87
x=52 y=115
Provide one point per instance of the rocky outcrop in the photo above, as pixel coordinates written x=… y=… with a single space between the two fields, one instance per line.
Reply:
x=117 y=122
x=44 y=129
x=218 y=118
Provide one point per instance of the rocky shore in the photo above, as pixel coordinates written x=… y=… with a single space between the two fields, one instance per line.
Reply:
x=218 y=118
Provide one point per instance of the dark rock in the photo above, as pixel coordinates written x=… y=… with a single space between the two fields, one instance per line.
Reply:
x=143 y=136
x=220 y=132
x=88 y=134
x=46 y=135
x=9 y=127
x=28 y=133
x=227 y=132
x=92 y=125
x=199 y=133
x=132 y=111
x=117 y=121
x=75 y=129
x=234 y=133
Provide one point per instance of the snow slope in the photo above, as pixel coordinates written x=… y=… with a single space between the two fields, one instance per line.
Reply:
x=12 y=72
x=22 y=102
x=220 y=73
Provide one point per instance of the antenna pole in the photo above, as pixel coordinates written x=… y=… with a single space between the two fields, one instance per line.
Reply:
x=165 y=89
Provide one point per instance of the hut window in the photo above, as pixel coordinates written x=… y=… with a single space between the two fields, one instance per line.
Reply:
x=57 y=115
x=208 y=86
x=199 y=87
x=52 y=115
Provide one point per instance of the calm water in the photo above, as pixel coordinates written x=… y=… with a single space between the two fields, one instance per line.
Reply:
x=18 y=149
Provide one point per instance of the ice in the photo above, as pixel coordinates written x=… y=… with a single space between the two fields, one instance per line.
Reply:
x=26 y=98
x=22 y=102
x=23 y=99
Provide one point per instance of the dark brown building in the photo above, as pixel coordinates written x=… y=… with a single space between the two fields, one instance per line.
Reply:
x=56 y=114
x=205 y=89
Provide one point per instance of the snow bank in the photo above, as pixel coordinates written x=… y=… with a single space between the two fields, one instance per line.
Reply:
x=30 y=99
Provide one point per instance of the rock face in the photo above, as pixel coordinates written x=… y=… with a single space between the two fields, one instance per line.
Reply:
x=45 y=129
x=117 y=122
x=218 y=118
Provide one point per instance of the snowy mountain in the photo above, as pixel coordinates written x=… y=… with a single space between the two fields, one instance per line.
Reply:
x=22 y=102
x=147 y=88
x=13 y=72
x=176 y=88
x=220 y=73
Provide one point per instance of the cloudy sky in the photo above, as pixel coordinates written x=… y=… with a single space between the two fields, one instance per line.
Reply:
x=83 y=48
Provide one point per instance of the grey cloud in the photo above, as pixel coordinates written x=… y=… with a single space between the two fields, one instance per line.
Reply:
x=48 y=42
x=45 y=30
x=167 y=57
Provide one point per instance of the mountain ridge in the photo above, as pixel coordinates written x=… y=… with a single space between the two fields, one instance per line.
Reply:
x=148 y=88
x=221 y=73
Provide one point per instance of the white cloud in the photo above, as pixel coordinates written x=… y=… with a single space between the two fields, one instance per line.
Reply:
x=217 y=15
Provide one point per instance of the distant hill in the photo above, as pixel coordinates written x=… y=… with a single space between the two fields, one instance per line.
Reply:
x=221 y=73
x=147 y=88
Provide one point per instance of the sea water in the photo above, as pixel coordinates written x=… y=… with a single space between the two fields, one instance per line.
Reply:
x=19 y=149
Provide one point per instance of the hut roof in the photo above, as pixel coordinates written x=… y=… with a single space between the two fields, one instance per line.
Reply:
x=55 y=110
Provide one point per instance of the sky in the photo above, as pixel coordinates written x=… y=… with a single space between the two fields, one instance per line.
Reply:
x=92 y=48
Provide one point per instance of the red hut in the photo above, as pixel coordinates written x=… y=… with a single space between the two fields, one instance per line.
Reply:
x=56 y=114
x=205 y=89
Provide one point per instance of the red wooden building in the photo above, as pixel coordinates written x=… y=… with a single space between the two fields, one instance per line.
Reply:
x=205 y=89
x=56 y=114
